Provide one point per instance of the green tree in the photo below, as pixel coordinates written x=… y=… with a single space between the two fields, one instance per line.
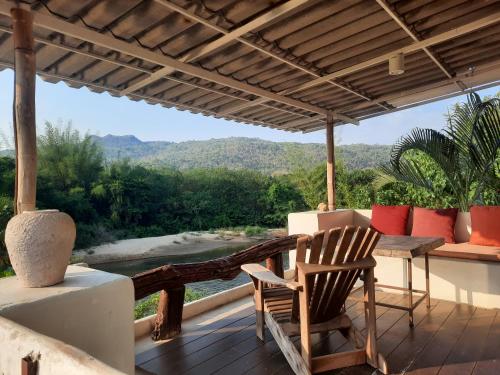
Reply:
x=215 y=198
x=282 y=197
x=68 y=159
x=466 y=152
x=135 y=197
x=68 y=166
x=311 y=184
x=7 y=172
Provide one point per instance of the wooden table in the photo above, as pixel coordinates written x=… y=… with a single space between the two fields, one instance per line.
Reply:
x=407 y=247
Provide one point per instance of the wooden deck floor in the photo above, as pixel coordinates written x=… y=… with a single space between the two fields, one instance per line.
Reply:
x=447 y=339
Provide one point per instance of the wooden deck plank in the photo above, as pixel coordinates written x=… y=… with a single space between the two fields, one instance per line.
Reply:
x=427 y=348
x=471 y=344
x=489 y=361
x=257 y=363
x=277 y=360
x=383 y=320
x=187 y=337
x=447 y=339
x=389 y=340
x=247 y=362
x=195 y=352
x=335 y=341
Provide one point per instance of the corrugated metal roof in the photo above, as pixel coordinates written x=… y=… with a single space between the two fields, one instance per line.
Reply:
x=251 y=50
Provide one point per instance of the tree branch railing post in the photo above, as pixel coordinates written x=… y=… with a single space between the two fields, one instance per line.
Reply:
x=170 y=280
x=168 y=322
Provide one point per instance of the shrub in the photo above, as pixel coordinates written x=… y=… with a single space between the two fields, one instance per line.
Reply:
x=149 y=305
x=6 y=272
x=5 y=215
x=254 y=231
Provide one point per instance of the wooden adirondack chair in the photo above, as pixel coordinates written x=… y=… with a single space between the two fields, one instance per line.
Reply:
x=314 y=301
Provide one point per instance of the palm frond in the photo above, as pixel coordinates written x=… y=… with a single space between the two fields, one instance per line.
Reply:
x=434 y=144
x=408 y=171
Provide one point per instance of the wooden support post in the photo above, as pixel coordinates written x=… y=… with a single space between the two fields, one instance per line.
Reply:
x=370 y=317
x=24 y=109
x=330 y=162
x=275 y=264
x=29 y=366
x=259 y=308
x=169 y=316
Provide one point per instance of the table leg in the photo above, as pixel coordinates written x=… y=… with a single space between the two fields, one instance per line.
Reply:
x=410 y=292
x=427 y=283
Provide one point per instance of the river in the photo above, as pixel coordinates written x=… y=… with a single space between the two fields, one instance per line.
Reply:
x=132 y=267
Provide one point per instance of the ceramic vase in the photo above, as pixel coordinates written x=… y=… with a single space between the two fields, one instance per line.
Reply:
x=39 y=244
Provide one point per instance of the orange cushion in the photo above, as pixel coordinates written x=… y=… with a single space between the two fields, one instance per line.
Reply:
x=434 y=223
x=390 y=220
x=485 y=223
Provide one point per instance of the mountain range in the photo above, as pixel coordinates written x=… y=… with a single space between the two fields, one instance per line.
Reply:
x=238 y=153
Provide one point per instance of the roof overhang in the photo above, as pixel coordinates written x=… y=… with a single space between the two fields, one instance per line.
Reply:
x=281 y=64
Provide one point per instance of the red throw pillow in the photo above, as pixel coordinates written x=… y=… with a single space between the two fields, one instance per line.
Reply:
x=435 y=223
x=485 y=223
x=390 y=220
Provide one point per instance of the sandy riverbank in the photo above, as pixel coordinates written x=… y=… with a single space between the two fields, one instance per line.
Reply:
x=175 y=244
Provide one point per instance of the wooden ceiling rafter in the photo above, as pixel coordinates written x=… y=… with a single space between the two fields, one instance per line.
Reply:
x=252 y=45
x=400 y=21
x=226 y=38
x=109 y=42
x=411 y=48
x=127 y=65
x=273 y=86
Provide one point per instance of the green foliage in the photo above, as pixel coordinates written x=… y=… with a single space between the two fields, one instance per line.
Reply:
x=67 y=159
x=311 y=184
x=354 y=188
x=254 y=231
x=149 y=305
x=282 y=197
x=125 y=200
x=6 y=212
x=397 y=192
x=238 y=153
x=464 y=156
x=68 y=166
x=216 y=198
x=6 y=271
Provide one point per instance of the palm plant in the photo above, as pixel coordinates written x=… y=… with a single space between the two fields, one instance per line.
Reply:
x=466 y=151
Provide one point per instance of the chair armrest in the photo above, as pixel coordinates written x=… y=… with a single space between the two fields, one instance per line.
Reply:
x=309 y=269
x=261 y=273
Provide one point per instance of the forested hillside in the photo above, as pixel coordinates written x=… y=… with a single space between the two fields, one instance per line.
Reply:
x=238 y=153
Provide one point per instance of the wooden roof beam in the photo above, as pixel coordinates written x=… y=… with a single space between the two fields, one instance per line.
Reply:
x=96 y=56
x=416 y=46
x=211 y=25
x=399 y=20
x=485 y=70
x=82 y=33
x=496 y=83
x=227 y=38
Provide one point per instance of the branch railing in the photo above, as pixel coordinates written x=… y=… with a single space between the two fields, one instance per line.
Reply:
x=171 y=279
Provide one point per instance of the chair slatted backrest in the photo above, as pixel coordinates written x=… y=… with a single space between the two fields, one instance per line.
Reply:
x=330 y=290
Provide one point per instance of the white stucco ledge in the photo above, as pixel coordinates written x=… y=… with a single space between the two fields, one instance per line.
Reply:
x=91 y=310
x=54 y=357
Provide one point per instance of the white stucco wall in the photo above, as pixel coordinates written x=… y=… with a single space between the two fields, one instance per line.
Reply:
x=91 y=310
x=54 y=357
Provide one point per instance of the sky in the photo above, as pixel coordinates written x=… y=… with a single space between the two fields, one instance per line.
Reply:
x=103 y=114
